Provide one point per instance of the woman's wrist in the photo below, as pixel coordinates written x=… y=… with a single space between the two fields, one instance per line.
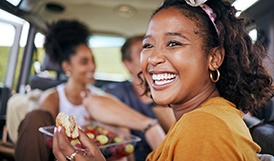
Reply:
x=152 y=123
x=154 y=134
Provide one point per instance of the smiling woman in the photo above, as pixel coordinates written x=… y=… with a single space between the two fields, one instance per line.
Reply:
x=198 y=50
x=66 y=44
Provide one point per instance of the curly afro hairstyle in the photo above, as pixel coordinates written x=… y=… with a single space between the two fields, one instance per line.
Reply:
x=63 y=37
x=243 y=81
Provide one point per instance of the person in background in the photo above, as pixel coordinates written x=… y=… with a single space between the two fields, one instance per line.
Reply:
x=66 y=44
x=197 y=58
x=131 y=93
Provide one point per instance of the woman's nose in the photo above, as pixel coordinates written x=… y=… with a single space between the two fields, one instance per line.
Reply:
x=157 y=57
x=92 y=66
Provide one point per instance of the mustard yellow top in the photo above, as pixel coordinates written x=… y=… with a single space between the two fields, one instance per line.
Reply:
x=213 y=132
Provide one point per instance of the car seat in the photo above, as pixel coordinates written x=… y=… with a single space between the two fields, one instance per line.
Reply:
x=43 y=80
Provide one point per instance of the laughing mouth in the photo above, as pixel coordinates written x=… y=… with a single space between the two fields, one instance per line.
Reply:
x=163 y=78
x=89 y=75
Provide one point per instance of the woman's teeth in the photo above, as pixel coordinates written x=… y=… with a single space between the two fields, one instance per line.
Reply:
x=164 y=78
x=89 y=75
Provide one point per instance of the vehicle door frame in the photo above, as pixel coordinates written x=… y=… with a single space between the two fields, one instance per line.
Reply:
x=13 y=55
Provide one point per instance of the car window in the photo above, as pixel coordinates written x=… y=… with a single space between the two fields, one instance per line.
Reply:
x=107 y=55
x=5 y=46
x=10 y=49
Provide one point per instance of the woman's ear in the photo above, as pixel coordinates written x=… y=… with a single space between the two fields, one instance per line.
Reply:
x=65 y=66
x=128 y=65
x=216 y=58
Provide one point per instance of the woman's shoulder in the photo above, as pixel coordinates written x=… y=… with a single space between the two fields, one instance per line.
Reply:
x=222 y=114
x=49 y=94
x=200 y=124
x=49 y=98
x=218 y=107
x=50 y=101
x=200 y=118
x=212 y=117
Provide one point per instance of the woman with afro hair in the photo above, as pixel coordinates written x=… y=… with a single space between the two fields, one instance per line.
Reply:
x=66 y=44
x=198 y=58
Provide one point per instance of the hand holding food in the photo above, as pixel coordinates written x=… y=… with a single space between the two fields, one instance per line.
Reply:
x=93 y=141
x=67 y=130
x=63 y=150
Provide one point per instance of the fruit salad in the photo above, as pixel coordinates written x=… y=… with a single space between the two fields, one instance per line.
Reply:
x=113 y=143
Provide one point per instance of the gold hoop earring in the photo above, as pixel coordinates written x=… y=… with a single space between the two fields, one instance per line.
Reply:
x=217 y=77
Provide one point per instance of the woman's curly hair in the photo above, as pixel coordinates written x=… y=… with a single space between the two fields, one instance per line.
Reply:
x=243 y=81
x=63 y=37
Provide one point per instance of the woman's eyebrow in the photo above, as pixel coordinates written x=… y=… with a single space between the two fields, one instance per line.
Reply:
x=169 y=34
x=176 y=34
x=146 y=36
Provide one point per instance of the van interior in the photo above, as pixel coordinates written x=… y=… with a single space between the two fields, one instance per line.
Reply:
x=24 y=65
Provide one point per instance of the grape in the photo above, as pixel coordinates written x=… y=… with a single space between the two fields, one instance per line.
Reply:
x=103 y=139
x=129 y=148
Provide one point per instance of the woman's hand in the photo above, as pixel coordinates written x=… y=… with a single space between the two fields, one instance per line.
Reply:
x=63 y=150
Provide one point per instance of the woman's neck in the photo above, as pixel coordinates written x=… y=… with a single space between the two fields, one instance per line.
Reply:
x=73 y=91
x=195 y=102
x=74 y=87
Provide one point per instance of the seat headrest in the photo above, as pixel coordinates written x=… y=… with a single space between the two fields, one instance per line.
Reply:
x=48 y=65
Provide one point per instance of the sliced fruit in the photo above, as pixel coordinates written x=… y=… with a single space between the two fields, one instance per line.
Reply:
x=90 y=135
x=103 y=139
x=75 y=141
x=129 y=148
x=117 y=139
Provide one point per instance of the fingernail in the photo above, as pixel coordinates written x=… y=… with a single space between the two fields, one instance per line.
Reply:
x=55 y=129
x=59 y=128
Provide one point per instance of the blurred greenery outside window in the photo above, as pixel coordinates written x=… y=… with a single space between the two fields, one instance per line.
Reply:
x=7 y=35
x=5 y=49
x=106 y=50
x=5 y=46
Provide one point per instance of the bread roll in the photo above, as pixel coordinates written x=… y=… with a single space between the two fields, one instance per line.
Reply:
x=68 y=122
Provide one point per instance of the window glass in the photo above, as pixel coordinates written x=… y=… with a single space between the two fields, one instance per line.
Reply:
x=109 y=65
x=39 y=53
x=7 y=34
x=10 y=26
x=106 y=50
